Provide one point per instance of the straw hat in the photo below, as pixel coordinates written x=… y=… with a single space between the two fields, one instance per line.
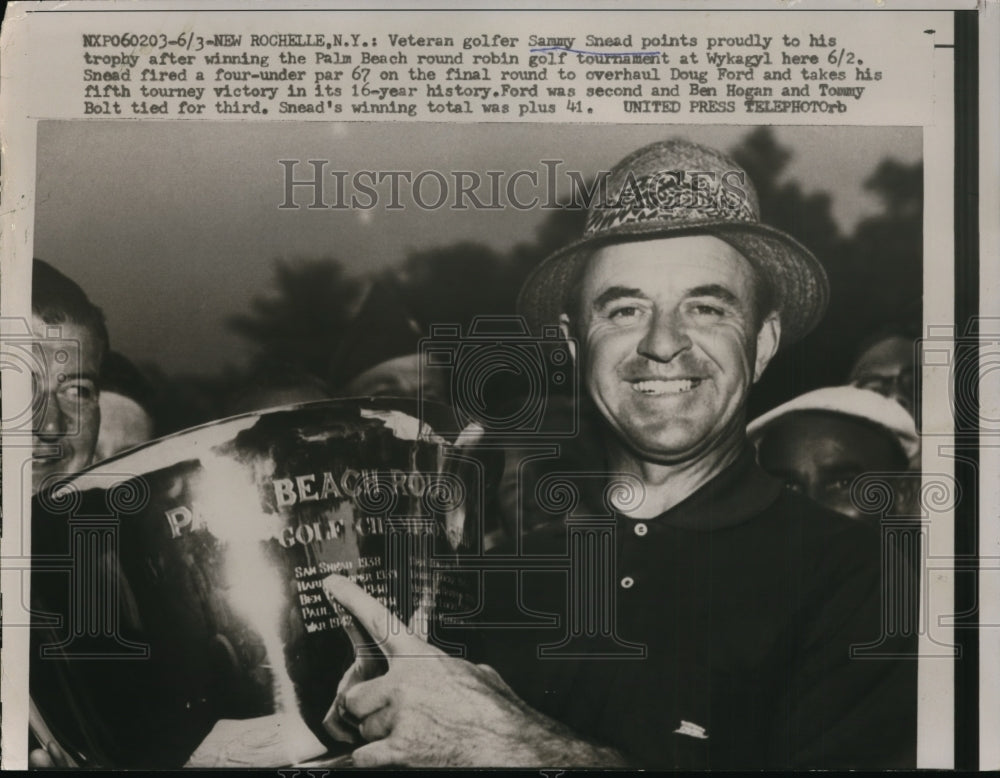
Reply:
x=673 y=188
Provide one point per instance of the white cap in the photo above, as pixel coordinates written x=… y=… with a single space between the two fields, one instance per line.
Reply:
x=849 y=401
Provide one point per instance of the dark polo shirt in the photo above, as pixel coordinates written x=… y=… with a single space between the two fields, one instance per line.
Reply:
x=741 y=629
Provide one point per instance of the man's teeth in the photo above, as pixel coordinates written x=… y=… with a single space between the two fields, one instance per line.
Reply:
x=665 y=386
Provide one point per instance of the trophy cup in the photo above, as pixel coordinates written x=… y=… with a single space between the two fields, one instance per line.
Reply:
x=180 y=618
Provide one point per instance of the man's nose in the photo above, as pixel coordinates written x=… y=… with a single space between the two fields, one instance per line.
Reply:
x=50 y=420
x=665 y=338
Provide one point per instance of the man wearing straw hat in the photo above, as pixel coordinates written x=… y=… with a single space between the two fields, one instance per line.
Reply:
x=757 y=611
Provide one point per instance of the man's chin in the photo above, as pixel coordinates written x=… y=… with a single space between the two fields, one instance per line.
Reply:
x=669 y=448
x=676 y=443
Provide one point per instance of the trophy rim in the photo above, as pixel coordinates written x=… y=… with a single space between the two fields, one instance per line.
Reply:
x=441 y=414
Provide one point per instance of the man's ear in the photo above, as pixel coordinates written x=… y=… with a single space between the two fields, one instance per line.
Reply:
x=768 y=338
x=566 y=333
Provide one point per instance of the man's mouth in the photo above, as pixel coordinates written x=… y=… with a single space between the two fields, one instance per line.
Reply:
x=656 y=386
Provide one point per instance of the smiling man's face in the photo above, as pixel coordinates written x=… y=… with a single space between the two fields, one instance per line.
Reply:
x=671 y=344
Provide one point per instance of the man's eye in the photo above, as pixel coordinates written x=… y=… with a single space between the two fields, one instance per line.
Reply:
x=703 y=309
x=624 y=312
x=83 y=392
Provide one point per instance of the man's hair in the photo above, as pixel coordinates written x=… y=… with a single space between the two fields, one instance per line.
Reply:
x=763 y=297
x=904 y=329
x=57 y=299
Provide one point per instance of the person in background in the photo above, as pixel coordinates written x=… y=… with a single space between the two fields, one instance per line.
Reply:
x=70 y=343
x=399 y=377
x=126 y=417
x=885 y=364
x=821 y=442
x=849 y=449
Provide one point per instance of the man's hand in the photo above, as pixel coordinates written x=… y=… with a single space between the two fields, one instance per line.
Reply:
x=430 y=709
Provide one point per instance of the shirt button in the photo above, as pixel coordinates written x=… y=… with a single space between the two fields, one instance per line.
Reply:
x=641 y=529
x=627 y=582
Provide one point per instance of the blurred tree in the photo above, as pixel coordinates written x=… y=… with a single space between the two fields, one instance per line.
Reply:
x=454 y=283
x=886 y=249
x=561 y=227
x=301 y=321
x=807 y=217
x=384 y=327
x=900 y=188
x=875 y=273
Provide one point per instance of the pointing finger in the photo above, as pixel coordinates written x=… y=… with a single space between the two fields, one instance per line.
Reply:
x=366 y=658
x=385 y=627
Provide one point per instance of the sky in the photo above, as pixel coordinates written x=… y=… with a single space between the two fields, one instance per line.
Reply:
x=172 y=227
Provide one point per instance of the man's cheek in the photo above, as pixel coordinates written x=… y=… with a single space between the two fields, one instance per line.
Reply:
x=743 y=353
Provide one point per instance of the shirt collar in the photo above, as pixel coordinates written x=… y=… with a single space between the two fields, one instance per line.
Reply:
x=737 y=494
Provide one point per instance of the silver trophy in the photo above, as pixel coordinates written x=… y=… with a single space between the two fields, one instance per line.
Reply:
x=179 y=612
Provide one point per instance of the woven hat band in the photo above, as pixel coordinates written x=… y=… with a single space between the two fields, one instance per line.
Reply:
x=678 y=197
